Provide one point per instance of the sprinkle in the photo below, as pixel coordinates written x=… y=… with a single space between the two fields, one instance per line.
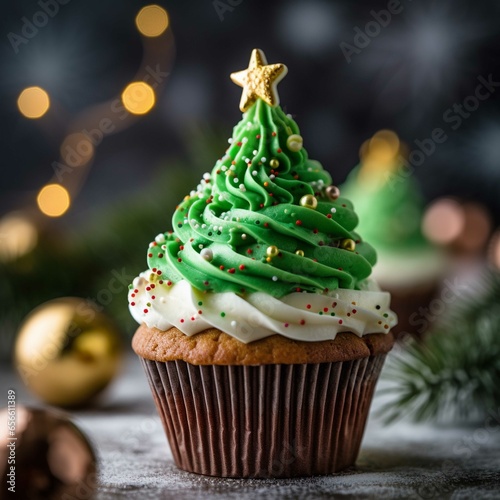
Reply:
x=377 y=307
x=221 y=268
x=132 y=303
x=333 y=210
x=231 y=271
x=244 y=237
x=249 y=250
x=153 y=297
x=241 y=267
x=340 y=321
x=275 y=278
x=222 y=314
x=150 y=255
x=286 y=325
x=325 y=309
x=233 y=323
x=328 y=216
x=254 y=172
x=302 y=321
x=354 y=311
x=145 y=311
x=308 y=306
x=182 y=321
x=298 y=222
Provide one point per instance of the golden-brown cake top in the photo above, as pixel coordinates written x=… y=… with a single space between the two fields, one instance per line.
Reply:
x=214 y=347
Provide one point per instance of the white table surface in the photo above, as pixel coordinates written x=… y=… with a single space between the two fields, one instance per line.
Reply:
x=402 y=460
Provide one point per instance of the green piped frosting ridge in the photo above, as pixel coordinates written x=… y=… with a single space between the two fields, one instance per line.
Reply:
x=223 y=229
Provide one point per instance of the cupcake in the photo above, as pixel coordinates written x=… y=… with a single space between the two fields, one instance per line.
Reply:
x=390 y=206
x=262 y=334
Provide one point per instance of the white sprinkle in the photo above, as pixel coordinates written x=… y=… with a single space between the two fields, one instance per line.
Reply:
x=196 y=226
x=206 y=176
x=203 y=226
x=244 y=140
x=221 y=198
x=242 y=187
x=263 y=159
x=254 y=173
x=333 y=210
x=272 y=177
x=275 y=278
x=160 y=238
x=233 y=323
x=223 y=168
x=236 y=180
x=207 y=254
x=232 y=167
x=255 y=151
x=200 y=246
x=243 y=236
x=230 y=140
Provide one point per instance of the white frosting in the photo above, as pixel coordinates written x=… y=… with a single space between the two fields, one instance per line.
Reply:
x=300 y=316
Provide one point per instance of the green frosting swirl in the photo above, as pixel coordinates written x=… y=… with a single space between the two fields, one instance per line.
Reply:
x=222 y=230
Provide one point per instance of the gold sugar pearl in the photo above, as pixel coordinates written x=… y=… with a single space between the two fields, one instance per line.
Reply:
x=294 y=143
x=274 y=163
x=272 y=251
x=300 y=253
x=309 y=201
x=348 y=244
x=333 y=192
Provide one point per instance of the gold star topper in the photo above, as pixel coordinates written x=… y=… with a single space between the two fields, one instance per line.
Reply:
x=259 y=80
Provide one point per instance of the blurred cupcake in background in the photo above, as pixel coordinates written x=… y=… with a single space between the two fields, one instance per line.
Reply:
x=391 y=208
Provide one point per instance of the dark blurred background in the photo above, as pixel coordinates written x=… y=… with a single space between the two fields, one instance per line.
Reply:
x=353 y=70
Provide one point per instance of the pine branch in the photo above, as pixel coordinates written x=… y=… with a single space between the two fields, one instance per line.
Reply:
x=455 y=371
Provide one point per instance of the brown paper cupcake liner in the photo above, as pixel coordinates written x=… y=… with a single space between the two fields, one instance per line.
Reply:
x=264 y=421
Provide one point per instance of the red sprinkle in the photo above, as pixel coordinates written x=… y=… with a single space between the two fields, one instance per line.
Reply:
x=200 y=312
x=154 y=269
x=145 y=310
x=182 y=321
x=150 y=254
x=231 y=271
x=328 y=216
x=334 y=304
x=308 y=306
x=179 y=260
x=286 y=325
x=340 y=321
x=153 y=297
x=279 y=150
x=354 y=311
x=241 y=267
x=315 y=231
x=169 y=283
x=160 y=255
x=160 y=282
x=249 y=251
x=325 y=309
x=221 y=268
x=132 y=303
x=257 y=136
x=302 y=321
x=274 y=134
x=298 y=222
x=132 y=295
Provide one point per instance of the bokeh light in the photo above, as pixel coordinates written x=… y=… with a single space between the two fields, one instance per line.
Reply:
x=33 y=102
x=152 y=20
x=53 y=200
x=138 y=98
x=477 y=229
x=444 y=221
x=18 y=236
x=384 y=145
x=77 y=150
x=494 y=250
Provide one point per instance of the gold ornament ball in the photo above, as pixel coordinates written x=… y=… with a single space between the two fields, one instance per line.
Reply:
x=348 y=244
x=272 y=251
x=67 y=351
x=53 y=458
x=294 y=143
x=274 y=163
x=309 y=201
x=333 y=192
x=300 y=253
